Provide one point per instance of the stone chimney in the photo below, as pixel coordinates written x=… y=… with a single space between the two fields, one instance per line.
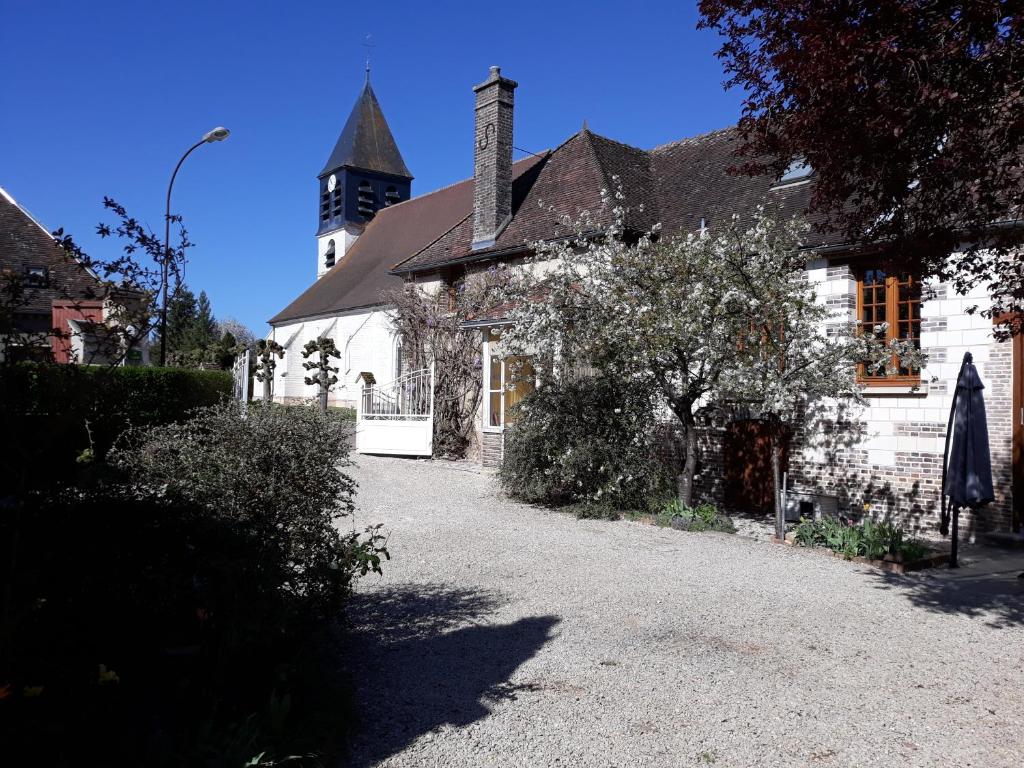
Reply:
x=492 y=158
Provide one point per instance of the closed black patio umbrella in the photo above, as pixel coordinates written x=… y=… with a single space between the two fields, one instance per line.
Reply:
x=967 y=465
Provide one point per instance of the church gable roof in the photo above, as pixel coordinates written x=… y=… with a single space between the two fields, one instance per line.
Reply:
x=366 y=142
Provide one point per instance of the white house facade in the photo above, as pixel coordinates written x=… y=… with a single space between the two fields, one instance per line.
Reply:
x=883 y=460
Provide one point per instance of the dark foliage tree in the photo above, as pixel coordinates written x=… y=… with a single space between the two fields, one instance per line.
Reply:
x=910 y=112
x=182 y=313
x=204 y=332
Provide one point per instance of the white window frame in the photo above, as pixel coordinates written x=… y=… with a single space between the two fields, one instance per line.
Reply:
x=485 y=414
x=486 y=370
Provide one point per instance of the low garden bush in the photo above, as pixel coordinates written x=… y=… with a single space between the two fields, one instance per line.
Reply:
x=60 y=412
x=174 y=607
x=703 y=517
x=588 y=442
x=870 y=539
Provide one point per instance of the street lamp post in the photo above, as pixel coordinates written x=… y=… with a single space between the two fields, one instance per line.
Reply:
x=217 y=134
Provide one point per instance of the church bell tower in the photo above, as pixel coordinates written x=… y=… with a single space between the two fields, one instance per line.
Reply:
x=364 y=173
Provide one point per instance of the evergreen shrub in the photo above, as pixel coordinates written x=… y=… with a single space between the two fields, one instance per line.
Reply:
x=585 y=442
x=162 y=606
x=55 y=414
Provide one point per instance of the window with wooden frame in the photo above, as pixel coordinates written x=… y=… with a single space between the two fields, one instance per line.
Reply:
x=888 y=307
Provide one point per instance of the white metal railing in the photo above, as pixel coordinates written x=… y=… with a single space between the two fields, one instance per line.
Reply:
x=409 y=397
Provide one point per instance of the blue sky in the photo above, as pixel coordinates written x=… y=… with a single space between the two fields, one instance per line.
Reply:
x=101 y=98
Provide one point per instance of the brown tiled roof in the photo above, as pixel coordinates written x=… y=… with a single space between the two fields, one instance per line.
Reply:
x=692 y=181
x=565 y=186
x=363 y=275
x=675 y=185
x=24 y=243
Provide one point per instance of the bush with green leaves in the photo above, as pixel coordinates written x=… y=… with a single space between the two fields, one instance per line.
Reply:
x=703 y=517
x=870 y=539
x=585 y=441
x=277 y=474
x=168 y=596
x=63 y=412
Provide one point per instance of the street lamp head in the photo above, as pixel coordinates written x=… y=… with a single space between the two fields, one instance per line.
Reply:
x=217 y=134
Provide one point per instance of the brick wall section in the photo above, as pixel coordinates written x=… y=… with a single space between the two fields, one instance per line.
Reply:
x=709 y=480
x=997 y=375
x=492 y=448
x=885 y=460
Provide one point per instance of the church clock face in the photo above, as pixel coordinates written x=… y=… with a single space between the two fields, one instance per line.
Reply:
x=332 y=182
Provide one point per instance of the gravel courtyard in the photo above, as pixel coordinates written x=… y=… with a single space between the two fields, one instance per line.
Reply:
x=506 y=635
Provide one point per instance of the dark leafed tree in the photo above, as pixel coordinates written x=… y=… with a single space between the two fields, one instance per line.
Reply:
x=910 y=112
x=182 y=313
x=204 y=332
x=321 y=350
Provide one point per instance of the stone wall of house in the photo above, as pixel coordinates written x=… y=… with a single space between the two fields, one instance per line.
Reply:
x=492 y=448
x=886 y=459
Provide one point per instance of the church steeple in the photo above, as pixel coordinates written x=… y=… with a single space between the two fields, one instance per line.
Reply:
x=364 y=173
x=366 y=142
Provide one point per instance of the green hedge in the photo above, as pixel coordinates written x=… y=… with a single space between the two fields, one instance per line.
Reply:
x=52 y=413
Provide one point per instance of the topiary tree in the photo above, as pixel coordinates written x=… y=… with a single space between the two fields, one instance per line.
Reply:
x=266 y=351
x=324 y=377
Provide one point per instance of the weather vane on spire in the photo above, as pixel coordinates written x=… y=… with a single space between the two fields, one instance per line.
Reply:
x=368 y=44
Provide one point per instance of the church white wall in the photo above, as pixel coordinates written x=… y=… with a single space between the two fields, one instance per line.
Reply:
x=366 y=343
x=343 y=240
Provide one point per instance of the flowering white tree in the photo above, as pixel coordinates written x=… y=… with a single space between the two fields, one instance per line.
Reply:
x=709 y=320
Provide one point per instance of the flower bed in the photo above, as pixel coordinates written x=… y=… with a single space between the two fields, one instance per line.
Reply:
x=881 y=545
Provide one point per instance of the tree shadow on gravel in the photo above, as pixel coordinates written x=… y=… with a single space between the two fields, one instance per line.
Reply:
x=997 y=599
x=423 y=656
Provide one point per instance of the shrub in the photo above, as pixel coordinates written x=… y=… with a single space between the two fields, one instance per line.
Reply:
x=60 y=411
x=704 y=517
x=584 y=441
x=159 y=610
x=870 y=539
x=275 y=474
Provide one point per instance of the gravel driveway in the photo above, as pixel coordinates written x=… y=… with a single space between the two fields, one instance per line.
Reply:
x=507 y=635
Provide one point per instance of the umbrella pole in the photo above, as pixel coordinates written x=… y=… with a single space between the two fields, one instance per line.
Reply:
x=956 y=538
x=943 y=519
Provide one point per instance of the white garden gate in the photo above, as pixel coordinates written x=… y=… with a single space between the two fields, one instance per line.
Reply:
x=397 y=418
x=240 y=381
